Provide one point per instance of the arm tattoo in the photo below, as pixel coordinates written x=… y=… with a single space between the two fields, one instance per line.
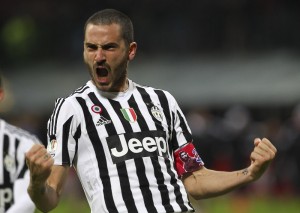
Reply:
x=245 y=172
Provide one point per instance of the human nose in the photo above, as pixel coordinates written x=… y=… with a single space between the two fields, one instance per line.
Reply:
x=100 y=55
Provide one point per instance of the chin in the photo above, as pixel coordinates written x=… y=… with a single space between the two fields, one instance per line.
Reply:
x=104 y=88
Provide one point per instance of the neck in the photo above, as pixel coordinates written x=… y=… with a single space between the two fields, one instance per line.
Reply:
x=126 y=86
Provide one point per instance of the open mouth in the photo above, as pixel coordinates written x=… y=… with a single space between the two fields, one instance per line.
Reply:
x=102 y=72
x=102 y=75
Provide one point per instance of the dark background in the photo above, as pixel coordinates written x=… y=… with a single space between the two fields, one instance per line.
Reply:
x=43 y=30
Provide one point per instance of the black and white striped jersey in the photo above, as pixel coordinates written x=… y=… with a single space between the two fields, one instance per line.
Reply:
x=121 y=145
x=14 y=174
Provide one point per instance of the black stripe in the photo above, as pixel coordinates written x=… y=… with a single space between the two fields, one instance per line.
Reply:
x=50 y=121
x=81 y=90
x=161 y=185
x=23 y=170
x=76 y=137
x=5 y=152
x=65 y=138
x=100 y=155
x=122 y=171
x=174 y=183
x=140 y=118
x=17 y=142
x=53 y=120
x=144 y=185
x=117 y=108
x=57 y=113
x=174 y=140
x=184 y=128
x=125 y=187
x=6 y=177
x=168 y=114
x=146 y=98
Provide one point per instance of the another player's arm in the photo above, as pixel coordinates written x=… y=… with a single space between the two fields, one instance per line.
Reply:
x=205 y=183
x=46 y=180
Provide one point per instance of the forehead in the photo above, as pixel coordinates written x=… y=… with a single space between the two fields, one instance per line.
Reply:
x=102 y=33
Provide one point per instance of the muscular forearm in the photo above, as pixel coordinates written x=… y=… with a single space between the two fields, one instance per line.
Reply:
x=207 y=183
x=44 y=197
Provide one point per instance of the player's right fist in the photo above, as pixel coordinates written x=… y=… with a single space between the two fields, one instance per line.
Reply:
x=39 y=162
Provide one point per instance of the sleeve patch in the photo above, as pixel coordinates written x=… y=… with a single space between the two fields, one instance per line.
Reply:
x=51 y=147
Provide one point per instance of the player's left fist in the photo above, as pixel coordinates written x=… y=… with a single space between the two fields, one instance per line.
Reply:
x=262 y=155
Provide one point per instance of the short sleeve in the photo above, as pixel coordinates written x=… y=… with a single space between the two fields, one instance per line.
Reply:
x=62 y=127
x=181 y=133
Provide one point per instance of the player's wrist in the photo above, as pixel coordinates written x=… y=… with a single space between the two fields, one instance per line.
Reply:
x=247 y=175
x=36 y=189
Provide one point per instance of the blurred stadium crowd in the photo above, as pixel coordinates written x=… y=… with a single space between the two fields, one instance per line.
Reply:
x=52 y=30
x=224 y=137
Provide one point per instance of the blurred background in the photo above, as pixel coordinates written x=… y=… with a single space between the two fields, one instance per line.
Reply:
x=233 y=66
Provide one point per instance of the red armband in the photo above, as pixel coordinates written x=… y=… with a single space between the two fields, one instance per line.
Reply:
x=187 y=159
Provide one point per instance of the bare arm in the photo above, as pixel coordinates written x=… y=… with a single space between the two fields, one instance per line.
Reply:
x=206 y=183
x=46 y=180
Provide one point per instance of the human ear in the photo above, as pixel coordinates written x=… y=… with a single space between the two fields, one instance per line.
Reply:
x=132 y=50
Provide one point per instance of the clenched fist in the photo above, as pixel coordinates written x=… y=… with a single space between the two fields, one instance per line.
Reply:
x=39 y=163
x=262 y=155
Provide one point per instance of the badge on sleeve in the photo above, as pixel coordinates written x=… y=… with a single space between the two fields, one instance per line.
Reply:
x=51 y=147
x=187 y=159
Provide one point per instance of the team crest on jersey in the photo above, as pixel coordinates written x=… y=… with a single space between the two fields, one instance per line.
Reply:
x=102 y=120
x=129 y=114
x=156 y=112
x=9 y=163
x=51 y=147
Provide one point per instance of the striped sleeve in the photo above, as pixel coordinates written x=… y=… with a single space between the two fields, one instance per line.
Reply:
x=62 y=132
x=181 y=130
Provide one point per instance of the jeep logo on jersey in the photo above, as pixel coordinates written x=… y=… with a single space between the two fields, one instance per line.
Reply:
x=136 y=145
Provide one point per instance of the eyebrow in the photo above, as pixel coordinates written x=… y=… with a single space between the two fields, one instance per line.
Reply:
x=99 y=45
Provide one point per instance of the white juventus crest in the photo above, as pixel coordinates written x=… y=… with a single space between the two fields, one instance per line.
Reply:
x=157 y=113
x=9 y=163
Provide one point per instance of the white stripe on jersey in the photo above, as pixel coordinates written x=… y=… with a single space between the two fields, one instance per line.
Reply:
x=124 y=166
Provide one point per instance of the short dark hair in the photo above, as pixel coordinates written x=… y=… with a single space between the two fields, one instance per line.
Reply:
x=112 y=16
